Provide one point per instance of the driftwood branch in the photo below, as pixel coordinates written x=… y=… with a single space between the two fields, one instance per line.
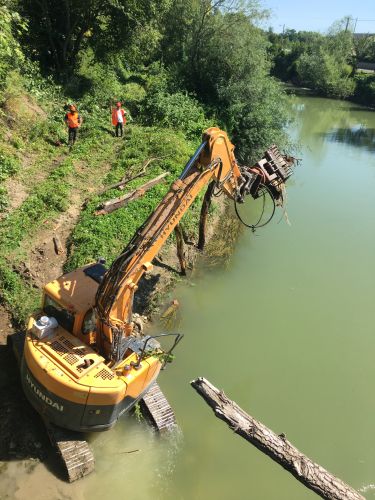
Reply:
x=112 y=205
x=275 y=446
x=126 y=179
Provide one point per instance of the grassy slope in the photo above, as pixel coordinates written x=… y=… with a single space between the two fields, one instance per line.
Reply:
x=52 y=178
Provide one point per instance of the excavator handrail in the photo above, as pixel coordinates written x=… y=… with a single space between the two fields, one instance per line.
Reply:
x=178 y=338
x=192 y=160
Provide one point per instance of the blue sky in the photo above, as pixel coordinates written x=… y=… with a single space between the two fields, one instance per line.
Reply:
x=318 y=15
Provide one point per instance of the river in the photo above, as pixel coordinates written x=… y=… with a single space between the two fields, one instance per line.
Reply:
x=285 y=327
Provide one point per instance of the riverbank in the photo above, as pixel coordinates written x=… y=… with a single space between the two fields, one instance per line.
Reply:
x=360 y=100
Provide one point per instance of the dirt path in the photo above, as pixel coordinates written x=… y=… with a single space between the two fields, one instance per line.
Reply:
x=42 y=263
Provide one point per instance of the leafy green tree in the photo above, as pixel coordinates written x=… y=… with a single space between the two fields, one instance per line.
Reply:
x=322 y=72
x=365 y=89
x=220 y=55
x=59 y=31
x=365 y=48
x=327 y=67
x=11 y=55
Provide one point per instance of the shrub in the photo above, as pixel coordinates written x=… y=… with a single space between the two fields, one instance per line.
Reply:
x=4 y=199
x=9 y=165
x=365 y=89
x=324 y=73
x=178 y=110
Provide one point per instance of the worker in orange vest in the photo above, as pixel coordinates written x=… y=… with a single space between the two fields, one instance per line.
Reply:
x=118 y=118
x=73 y=121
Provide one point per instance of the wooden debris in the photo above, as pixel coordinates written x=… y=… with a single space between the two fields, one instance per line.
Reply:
x=112 y=205
x=169 y=317
x=59 y=249
x=171 y=309
x=180 y=248
x=203 y=217
x=275 y=446
x=126 y=179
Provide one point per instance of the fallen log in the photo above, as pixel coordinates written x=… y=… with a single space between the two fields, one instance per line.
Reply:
x=112 y=205
x=126 y=179
x=275 y=446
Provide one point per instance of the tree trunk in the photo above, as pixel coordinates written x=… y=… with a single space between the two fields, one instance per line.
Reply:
x=203 y=217
x=112 y=205
x=275 y=446
x=180 y=248
x=125 y=180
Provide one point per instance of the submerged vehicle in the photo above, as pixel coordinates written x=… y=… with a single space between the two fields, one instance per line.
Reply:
x=83 y=364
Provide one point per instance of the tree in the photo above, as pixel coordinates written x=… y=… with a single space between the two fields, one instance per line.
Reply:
x=231 y=74
x=321 y=71
x=11 y=55
x=60 y=30
x=328 y=66
x=365 y=48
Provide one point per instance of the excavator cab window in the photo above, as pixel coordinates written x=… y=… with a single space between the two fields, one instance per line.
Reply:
x=63 y=317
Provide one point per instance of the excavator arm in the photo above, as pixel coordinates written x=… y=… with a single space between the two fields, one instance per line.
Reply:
x=214 y=160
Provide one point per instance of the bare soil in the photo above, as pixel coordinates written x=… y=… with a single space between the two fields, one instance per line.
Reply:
x=19 y=193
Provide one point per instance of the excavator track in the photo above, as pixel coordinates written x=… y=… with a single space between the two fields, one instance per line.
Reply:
x=75 y=452
x=156 y=407
x=76 y=455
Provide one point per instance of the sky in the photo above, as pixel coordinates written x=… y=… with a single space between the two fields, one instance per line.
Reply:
x=318 y=15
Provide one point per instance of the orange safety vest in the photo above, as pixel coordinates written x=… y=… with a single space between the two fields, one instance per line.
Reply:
x=72 y=119
x=114 y=116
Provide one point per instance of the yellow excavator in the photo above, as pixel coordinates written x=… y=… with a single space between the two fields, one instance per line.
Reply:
x=83 y=365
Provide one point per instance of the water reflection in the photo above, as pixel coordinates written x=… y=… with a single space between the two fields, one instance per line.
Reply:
x=358 y=136
x=322 y=121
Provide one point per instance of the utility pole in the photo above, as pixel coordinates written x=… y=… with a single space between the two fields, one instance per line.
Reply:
x=347 y=23
x=355 y=24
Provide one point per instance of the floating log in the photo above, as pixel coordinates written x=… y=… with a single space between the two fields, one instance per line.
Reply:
x=112 y=205
x=275 y=446
x=171 y=309
x=180 y=248
x=59 y=249
x=203 y=217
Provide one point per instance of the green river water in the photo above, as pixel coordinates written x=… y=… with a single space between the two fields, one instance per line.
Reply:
x=285 y=328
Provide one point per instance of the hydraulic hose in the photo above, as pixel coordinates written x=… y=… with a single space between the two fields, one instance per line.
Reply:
x=257 y=225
